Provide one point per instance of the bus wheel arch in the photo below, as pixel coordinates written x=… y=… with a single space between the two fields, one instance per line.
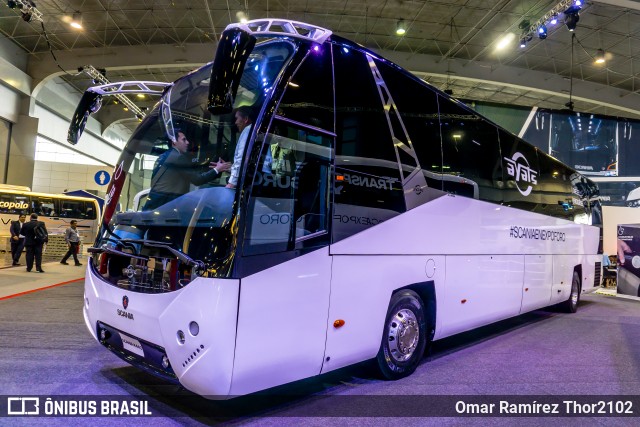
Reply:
x=404 y=339
x=427 y=293
x=571 y=304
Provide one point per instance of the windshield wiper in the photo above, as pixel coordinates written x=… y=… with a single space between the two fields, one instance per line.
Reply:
x=109 y=250
x=164 y=245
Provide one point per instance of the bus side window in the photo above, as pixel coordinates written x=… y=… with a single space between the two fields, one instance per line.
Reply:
x=520 y=173
x=368 y=183
x=90 y=212
x=417 y=105
x=309 y=96
x=470 y=153
x=43 y=206
x=72 y=209
x=289 y=200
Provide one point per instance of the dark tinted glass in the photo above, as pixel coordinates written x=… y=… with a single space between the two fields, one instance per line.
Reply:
x=309 y=95
x=537 y=133
x=554 y=189
x=470 y=152
x=72 y=209
x=89 y=210
x=289 y=205
x=45 y=206
x=368 y=181
x=417 y=106
x=520 y=172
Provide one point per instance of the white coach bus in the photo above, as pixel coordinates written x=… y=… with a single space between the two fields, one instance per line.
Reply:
x=56 y=210
x=373 y=214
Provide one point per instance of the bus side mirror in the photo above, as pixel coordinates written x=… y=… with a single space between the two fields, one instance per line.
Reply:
x=89 y=104
x=234 y=49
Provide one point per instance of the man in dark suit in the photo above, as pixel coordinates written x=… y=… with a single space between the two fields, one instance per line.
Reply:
x=33 y=242
x=174 y=171
x=17 y=240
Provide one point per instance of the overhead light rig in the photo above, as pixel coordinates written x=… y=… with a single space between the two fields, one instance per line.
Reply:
x=569 y=8
x=27 y=9
x=99 y=78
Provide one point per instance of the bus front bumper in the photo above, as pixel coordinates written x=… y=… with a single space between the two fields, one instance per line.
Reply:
x=186 y=335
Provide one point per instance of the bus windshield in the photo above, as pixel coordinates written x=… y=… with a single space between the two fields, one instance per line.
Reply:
x=188 y=208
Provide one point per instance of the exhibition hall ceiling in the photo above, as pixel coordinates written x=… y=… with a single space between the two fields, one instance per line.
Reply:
x=453 y=44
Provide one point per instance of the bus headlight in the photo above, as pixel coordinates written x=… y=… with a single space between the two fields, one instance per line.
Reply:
x=194 y=328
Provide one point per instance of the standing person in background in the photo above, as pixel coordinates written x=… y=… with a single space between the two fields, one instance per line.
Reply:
x=73 y=242
x=35 y=236
x=17 y=239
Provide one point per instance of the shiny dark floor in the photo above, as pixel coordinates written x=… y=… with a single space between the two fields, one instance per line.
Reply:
x=45 y=349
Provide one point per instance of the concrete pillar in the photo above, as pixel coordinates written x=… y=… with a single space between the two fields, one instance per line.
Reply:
x=22 y=151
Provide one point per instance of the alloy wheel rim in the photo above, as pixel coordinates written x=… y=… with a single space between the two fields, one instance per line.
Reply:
x=403 y=335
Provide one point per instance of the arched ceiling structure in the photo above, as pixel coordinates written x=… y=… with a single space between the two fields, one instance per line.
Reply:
x=449 y=43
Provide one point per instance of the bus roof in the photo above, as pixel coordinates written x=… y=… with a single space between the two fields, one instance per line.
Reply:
x=53 y=196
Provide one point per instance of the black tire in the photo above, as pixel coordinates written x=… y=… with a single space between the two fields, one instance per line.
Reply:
x=571 y=304
x=399 y=357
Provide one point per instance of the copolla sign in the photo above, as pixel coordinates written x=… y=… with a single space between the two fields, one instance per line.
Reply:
x=14 y=205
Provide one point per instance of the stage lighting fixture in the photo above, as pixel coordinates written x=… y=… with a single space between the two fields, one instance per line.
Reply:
x=571 y=18
x=12 y=4
x=523 y=42
x=76 y=22
x=600 y=57
x=554 y=19
x=542 y=32
x=401 y=29
x=26 y=16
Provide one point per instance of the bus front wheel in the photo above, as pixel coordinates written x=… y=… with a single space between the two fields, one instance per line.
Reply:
x=404 y=338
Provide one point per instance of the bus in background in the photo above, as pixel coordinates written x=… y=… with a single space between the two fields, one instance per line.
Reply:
x=55 y=210
x=372 y=215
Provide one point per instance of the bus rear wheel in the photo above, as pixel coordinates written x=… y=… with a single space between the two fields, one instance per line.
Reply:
x=404 y=337
x=571 y=304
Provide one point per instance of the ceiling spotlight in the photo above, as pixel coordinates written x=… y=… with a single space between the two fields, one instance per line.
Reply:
x=554 y=19
x=600 y=57
x=242 y=17
x=505 y=41
x=523 y=42
x=542 y=32
x=571 y=17
x=401 y=29
x=578 y=3
x=76 y=22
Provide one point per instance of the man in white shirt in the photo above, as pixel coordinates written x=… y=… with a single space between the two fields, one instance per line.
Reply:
x=243 y=122
x=73 y=243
